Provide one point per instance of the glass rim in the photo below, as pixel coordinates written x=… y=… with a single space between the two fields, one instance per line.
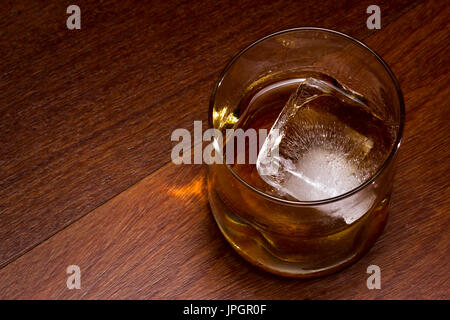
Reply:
x=387 y=161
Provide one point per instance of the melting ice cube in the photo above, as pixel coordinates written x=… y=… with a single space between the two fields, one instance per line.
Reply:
x=312 y=151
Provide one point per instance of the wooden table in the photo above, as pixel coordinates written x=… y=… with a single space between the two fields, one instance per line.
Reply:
x=85 y=172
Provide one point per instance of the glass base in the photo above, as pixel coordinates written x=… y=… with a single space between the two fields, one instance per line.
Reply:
x=334 y=252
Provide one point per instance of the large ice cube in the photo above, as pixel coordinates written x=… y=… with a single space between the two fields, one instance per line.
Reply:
x=312 y=152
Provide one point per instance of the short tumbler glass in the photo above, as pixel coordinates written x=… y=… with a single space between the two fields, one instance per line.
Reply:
x=297 y=238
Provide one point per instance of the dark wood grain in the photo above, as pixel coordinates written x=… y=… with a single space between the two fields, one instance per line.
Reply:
x=87 y=113
x=88 y=135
